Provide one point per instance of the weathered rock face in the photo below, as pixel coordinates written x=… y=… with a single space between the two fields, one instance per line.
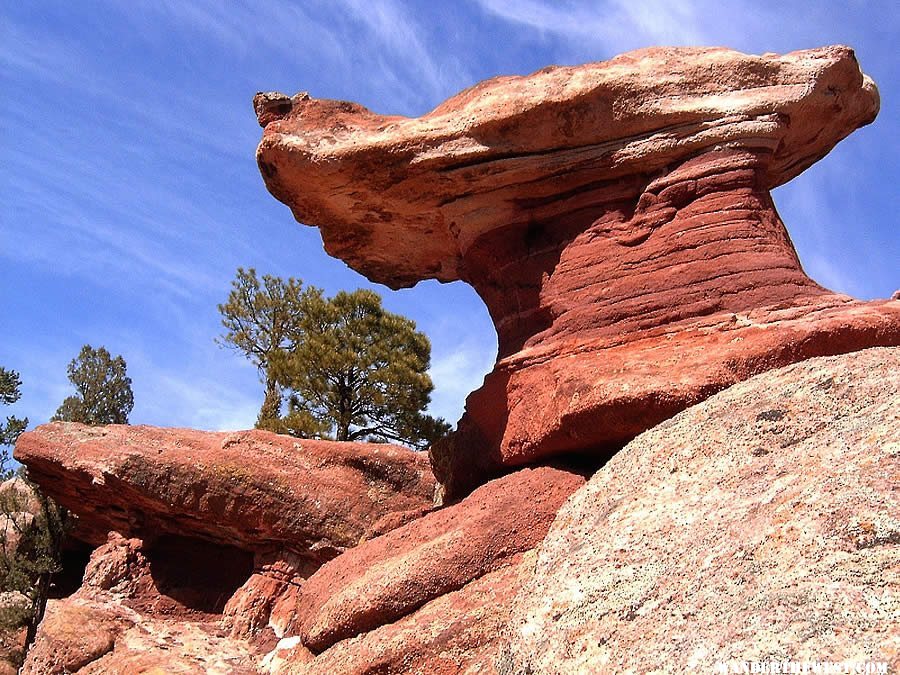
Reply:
x=459 y=632
x=430 y=596
x=94 y=634
x=122 y=621
x=762 y=524
x=223 y=530
x=616 y=220
x=252 y=490
x=391 y=576
x=224 y=527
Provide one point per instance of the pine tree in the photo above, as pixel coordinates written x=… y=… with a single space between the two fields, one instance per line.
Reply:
x=10 y=430
x=103 y=389
x=352 y=370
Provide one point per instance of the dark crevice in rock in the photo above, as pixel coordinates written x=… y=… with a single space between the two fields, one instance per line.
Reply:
x=197 y=574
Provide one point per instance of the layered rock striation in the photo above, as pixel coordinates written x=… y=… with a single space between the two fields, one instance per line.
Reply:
x=433 y=595
x=616 y=220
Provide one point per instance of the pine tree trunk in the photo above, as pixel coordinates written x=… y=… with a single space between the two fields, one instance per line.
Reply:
x=38 y=606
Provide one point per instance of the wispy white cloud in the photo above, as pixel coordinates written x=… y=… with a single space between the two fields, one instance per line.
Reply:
x=614 y=25
x=279 y=27
x=409 y=52
x=194 y=400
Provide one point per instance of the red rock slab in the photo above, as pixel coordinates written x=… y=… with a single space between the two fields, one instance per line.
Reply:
x=614 y=217
x=386 y=578
x=252 y=490
x=594 y=397
x=760 y=525
x=457 y=633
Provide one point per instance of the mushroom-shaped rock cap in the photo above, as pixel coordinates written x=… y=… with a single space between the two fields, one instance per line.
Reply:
x=402 y=199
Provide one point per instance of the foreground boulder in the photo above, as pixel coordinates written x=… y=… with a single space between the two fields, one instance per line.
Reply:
x=120 y=621
x=760 y=525
x=231 y=523
x=253 y=490
x=204 y=538
x=92 y=633
x=615 y=218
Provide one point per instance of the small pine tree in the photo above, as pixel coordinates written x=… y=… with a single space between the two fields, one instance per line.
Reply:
x=103 y=389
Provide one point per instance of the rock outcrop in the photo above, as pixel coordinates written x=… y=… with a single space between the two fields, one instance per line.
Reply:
x=431 y=596
x=130 y=617
x=459 y=632
x=253 y=490
x=760 y=525
x=615 y=218
x=212 y=531
x=173 y=588
x=390 y=576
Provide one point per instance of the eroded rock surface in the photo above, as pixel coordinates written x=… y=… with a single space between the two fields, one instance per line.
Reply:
x=615 y=218
x=220 y=528
x=391 y=576
x=126 y=618
x=252 y=490
x=456 y=633
x=91 y=633
x=762 y=524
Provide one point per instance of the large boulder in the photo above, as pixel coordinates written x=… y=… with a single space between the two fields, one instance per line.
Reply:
x=227 y=525
x=253 y=490
x=762 y=525
x=615 y=218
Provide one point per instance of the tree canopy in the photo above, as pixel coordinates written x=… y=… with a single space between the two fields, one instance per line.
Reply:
x=351 y=369
x=262 y=319
x=10 y=430
x=103 y=389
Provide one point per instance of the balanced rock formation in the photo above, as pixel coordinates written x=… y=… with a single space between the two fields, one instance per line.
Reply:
x=615 y=218
x=761 y=525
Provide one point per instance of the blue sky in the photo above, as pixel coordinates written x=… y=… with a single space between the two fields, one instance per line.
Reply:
x=129 y=193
